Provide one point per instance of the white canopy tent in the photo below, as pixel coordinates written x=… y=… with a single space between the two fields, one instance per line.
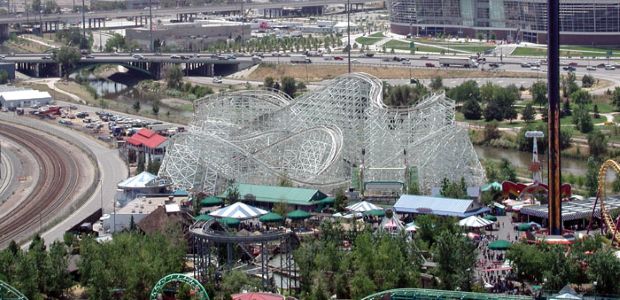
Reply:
x=362 y=207
x=475 y=222
x=142 y=180
x=239 y=211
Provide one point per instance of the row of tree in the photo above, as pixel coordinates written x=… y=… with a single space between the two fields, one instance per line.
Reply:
x=131 y=264
x=287 y=85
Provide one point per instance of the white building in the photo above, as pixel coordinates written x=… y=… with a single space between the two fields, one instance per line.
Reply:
x=137 y=209
x=24 y=98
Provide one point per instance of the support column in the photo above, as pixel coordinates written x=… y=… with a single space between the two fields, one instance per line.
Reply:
x=553 y=121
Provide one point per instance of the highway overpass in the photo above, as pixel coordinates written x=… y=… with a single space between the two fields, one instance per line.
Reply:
x=151 y=64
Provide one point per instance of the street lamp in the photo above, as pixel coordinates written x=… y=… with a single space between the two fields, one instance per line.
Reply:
x=594 y=284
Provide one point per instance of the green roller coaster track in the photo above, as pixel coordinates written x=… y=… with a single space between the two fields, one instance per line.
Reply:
x=427 y=294
x=8 y=292
x=202 y=293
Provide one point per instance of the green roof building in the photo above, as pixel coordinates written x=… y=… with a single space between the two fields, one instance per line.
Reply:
x=266 y=196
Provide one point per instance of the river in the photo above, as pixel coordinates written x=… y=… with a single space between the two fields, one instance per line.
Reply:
x=521 y=159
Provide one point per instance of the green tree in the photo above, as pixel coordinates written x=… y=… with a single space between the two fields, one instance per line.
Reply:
x=581 y=97
x=141 y=163
x=153 y=167
x=234 y=281
x=289 y=86
x=436 y=83
x=340 y=200
x=285 y=181
x=174 y=76
x=268 y=82
x=67 y=57
x=36 y=6
x=455 y=257
x=528 y=113
x=468 y=90
x=58 y=279
x=136 y=106
x=507 y=171
x=592 y=176
x=4 y=77
x=116 y=42
x=597 y=143
x=603 y=267
x=155 y=107
x=587 y=81
x=232 y=192
x=471 y=110
x=615 y=98
x=539 y=93
x=582 y=119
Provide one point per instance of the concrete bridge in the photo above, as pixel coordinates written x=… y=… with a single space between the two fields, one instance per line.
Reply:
x=153 y=65
x=96 y=19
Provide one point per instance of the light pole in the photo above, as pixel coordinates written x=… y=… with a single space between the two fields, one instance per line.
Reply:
x=83 y=21
x=101 y=194
x=151 y=26
x=349 y=34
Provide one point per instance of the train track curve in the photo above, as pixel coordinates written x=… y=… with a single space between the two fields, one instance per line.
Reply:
x=57 y=181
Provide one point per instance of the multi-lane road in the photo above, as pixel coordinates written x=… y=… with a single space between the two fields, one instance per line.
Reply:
x=207 y=8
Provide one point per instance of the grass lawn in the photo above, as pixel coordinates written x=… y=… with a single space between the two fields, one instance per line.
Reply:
x=470 y=48
x=400 y=45
x=367 y=40
x=526 y=51
x=617 y=118
x=377 y=35
x=586 y=48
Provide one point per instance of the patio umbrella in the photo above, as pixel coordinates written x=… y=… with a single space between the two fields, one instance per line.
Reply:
x=411 y=227
x=524 y=227
x=240 y=211
x=490 y=217
x=232 y=222
x=500 y=245
x=362 y=206
x=375 y=212
x=257 y=296
x=474 y=222
x=203 y=218
x=298 y=215
x=211 y=201
x=271 y=218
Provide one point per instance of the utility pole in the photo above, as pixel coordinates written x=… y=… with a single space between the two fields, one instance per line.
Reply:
x=349 y=34
x=151 y=26
x=101 y=194
x=83 y=21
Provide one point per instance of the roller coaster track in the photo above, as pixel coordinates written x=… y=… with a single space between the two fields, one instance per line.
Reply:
x=607 y=219
x=8 y=292
x=58 y=179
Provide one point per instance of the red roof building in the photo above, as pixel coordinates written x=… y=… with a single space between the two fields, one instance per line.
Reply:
x=146 y=141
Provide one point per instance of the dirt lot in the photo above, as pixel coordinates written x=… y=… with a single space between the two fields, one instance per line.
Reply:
x=320 y=72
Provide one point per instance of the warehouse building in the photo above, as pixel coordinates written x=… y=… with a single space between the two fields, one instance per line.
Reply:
x=24 y=98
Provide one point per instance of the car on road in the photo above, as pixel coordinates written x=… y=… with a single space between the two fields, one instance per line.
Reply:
x=573 y=64
x=217 y=79
x=355 y=61
x=65 y=122
x=174 y=56
x=405 y=62
x=493 y=65
x=535 y=68
x=328 y=58
x=46 y=57
x=525 y=65
x=423 y=57
x=429 y=65
x=601 y=65
x=89 y=56
x=569 y=68
x=591 y=68
x=138 y=56
x=396 y=58
x=610 y=67
x=2 y=57
x=338 y=58
x=184 y=57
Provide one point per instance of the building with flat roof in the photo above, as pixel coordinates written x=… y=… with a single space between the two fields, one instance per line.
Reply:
x=581 y=22
x=191 y=36
x=427 y=205
x=24 y=98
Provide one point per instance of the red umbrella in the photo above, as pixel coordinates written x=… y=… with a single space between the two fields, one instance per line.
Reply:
x=257 y=296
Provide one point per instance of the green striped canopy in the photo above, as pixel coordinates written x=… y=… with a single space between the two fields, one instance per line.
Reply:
x=203 y=218
x=490 y=217
x=375 y=212
x=500 y=245
x=232 y=222
x=298 y=215
x=271 y=218
x=211 y=201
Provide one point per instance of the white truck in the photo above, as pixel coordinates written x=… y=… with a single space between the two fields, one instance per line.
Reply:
x=464 y=62
x=300 y=59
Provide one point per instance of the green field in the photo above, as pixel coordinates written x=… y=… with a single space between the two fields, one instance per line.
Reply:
x=572 y=51
x=367 y=40
x=400 y=45
x=471 y=48
x=377 y=35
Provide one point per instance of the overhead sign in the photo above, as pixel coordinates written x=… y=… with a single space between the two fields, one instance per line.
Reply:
x=534 y=134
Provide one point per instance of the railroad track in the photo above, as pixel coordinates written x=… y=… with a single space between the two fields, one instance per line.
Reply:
x=58 y=180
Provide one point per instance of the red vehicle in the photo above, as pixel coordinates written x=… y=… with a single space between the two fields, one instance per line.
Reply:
x=430 y=65
x=338 y=58
x=573 y=64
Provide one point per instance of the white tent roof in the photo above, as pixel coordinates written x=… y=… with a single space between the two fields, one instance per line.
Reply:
x=362 y=206
x=475 y=222
x=139 y=181
x=239 y=210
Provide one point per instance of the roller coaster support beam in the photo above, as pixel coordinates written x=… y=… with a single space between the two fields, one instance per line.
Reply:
x=553 y=120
